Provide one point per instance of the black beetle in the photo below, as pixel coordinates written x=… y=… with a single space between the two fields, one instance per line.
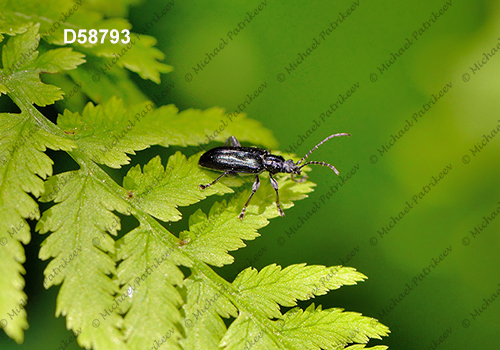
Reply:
x=235 y=159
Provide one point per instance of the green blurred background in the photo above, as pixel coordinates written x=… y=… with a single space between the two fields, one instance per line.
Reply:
x=348 y=222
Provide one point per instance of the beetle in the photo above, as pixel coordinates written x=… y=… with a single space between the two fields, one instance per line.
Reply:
x=235 y=159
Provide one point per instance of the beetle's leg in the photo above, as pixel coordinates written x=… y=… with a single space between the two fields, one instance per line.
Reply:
x=217 y=179
x=255 y=187
x=302 y=179
x=274 y=183
x=233 y=142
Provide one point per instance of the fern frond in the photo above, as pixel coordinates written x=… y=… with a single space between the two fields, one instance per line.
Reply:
x=150 y=286
x=203 y=311
x=22 y=67
x=272 y=285
x=363 y=346
x=149 y=273
x=104 y=76
x=23 y=163
x=106 y=133
x=212 y=236
x=315 y=328
x=310 y=329
x=81 y=223
x=160 y=191
x=140 y=54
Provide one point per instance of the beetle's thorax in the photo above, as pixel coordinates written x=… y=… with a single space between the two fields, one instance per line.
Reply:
x=273 y=163
x=277 y=164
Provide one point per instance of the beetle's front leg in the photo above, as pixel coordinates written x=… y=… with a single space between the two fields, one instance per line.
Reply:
x=227 y=172
x=302 y=179
x=274 y=183
x=255 y=187
x=233 y=142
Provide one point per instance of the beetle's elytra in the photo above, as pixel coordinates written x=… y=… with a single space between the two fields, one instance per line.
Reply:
x=235 y=159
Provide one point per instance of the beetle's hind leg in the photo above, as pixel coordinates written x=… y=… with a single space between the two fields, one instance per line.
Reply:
x=274 y=183
x=233 y=142
x=255 y=187
x=227 y=172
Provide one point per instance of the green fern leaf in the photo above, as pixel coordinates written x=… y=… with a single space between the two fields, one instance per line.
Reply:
x=105 y=133
x=22 y=67
x=140 y=57
x=23 y=165
x=311 y=329
x=272 y=285
x=362 y=346
x=212 y=236
x=160 y=191
x=81 y=223
x=134 y=292
x=12 y=25
x=315 y=328
x=21 y=51
x=203 y=310
x=92 y=82
x=104 y=75
x=150 y=275
x=223 y=220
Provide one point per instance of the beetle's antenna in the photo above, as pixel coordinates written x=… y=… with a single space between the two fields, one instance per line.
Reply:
x=316 y=147
x=323 y=164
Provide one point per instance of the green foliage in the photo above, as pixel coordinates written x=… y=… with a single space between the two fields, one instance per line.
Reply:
x=127 y=292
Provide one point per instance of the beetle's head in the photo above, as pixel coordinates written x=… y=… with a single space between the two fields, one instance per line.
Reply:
x=290 y=167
